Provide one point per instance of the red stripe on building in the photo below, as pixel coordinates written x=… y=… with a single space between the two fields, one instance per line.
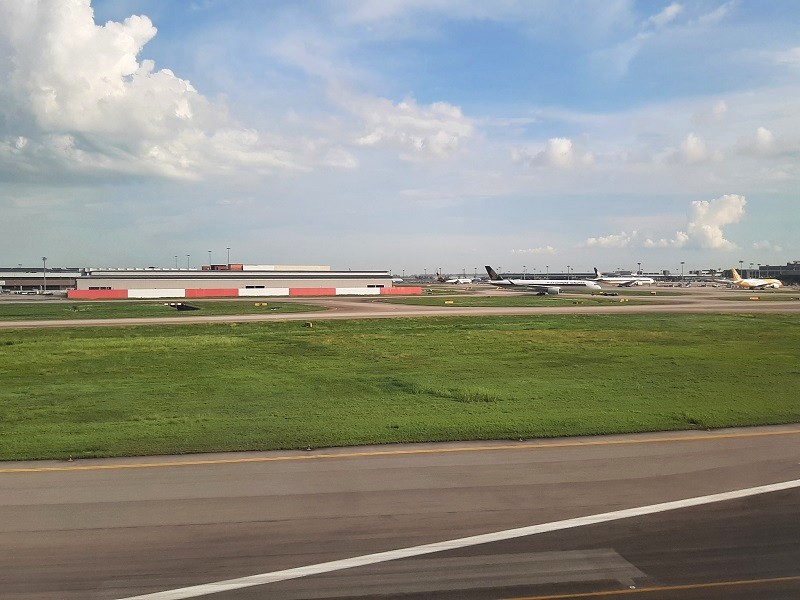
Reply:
x=212 y=293
x=401 y=291
x=312 y=291
x=97 y=294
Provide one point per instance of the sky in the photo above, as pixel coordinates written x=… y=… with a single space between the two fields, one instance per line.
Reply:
x=409 y=135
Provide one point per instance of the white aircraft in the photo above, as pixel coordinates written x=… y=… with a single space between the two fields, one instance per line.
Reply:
x=754 y=284
x=623 y=280
x=540 y=286
x=456 y=280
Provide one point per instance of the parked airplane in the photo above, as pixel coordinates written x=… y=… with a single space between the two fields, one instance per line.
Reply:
x=623 y=280
x=462 y=280
x=541 y=286
x=754 y=284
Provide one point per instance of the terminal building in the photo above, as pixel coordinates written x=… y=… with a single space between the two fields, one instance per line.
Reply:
x=232 y=281
x=211 y=281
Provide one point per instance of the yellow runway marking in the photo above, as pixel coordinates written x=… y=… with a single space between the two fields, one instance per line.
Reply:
x=412 y=451
x=665 y=588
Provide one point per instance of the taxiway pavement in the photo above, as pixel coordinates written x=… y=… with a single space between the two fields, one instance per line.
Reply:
x=113 y=529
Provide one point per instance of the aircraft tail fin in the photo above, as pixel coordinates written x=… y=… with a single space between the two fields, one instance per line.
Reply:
x=493 y=276
x=596 y=273
x=735 y=275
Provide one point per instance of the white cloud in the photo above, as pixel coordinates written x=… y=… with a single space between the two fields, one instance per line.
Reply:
x=679 y=241
x=535 y=251
x=666 y=16
x=557 y=152
x=712 y=115
x=340 y=158
x=618 y=58
x=692 y=151
x=79 y=97
x=766 y=245
x=418 y=131
x=765 y=141
x=618 y=240
x=706 y=220
x=708 y=217
x=715 y=16
x=790 y=58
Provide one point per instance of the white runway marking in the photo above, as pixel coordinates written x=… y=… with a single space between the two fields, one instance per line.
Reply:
x=205 y=589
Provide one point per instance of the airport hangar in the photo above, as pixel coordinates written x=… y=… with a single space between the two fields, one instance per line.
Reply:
x=233 y=281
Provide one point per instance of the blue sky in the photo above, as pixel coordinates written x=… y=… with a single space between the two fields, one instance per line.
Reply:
x=402 y=134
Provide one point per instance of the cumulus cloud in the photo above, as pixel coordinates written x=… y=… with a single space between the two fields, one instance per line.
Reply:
x=617 y=240
x=706 y=220
x=75 y=96
x=419 y=131
x=692 y=151
x=557 y=152
x=536 y=251
x=765 y=141
x=679 y=241
x=711 y=115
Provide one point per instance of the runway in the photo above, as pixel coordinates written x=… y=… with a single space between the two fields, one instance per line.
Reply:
x=114 y=529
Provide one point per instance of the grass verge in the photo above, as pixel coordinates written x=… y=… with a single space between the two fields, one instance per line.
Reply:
x=518 y=300
x=257 y=386
x=121 y=309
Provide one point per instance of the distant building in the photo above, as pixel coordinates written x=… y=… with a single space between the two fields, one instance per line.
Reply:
x=29 y=280
x=234 y=280
x=789 y=274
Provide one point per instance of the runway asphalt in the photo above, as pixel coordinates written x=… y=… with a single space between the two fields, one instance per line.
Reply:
x=114 y=529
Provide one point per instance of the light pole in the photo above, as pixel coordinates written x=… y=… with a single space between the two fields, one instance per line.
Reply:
x=682 y=271
x=209 y=259
x=547 y=274
x=44 y=273
x=176 y=261
x=741 y=265
x=639 y=272
x=524 y=271
x=187 y=261
x=229 y=255
x=568 y=271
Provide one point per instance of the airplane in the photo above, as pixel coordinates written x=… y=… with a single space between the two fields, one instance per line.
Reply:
x=754 y=284
x=456 y=280
x=540 y=286
x=623 y=280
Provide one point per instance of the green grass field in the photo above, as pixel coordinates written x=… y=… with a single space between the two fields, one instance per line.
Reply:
x=120 y=309
x=195 y=388
x=516 y=300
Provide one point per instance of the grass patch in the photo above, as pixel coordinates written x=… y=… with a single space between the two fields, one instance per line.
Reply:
x=121 y=309
x=518 y=300
x=257 y=386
